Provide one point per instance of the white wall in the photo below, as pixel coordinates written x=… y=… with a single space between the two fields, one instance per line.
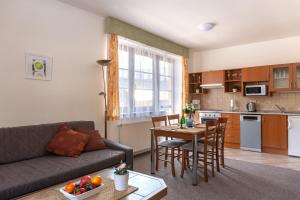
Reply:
x=75 y=39
x=135 y=134
x=254 y=54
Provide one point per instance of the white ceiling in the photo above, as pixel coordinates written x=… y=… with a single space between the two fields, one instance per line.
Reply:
x=238 y=21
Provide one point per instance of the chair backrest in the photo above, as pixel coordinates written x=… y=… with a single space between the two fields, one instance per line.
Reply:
x=210 y=133
x=222 y=122
x=159 y=121
x=196 y=118
x=172 y=118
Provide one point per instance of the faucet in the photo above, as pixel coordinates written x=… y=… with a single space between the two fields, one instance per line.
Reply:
x=280 y=108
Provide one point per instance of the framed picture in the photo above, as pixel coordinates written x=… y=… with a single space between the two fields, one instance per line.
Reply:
x=38 y=67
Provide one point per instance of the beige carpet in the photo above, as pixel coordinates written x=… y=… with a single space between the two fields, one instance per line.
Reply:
x=238 y=181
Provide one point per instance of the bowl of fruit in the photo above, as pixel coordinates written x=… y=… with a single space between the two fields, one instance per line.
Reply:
x=86 y=187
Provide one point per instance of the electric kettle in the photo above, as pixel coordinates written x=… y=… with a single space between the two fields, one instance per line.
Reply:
x=251 y=107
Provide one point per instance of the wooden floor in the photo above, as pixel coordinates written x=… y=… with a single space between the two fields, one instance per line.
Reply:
x=283 y=161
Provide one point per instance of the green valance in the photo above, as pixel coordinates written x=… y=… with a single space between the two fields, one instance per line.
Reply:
x=121 y=28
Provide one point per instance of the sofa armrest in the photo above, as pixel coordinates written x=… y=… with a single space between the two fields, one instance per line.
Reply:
x=128 y=151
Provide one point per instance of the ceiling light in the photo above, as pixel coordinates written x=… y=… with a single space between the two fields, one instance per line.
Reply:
x=206 y=26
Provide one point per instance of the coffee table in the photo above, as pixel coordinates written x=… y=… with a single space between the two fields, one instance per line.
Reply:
x=149 y=187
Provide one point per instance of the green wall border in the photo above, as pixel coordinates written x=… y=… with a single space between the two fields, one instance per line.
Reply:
x=113 y=25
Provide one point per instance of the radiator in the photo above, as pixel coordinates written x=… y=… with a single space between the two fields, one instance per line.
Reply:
x=134 y=134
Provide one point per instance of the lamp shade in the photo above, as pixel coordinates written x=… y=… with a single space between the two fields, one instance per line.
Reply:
x=104 y=62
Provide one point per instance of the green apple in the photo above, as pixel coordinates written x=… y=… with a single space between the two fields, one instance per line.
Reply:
x=38 y=66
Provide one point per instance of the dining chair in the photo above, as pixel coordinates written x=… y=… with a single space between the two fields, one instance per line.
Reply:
x=174 y=119
x=205 y=150
x=165 y=145
x=222 y=122
x=219 y=147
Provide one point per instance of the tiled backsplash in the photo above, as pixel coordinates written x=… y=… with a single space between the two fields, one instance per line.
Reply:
x=217 y=99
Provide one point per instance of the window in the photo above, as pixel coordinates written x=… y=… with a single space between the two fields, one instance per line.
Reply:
x=150 y=80
x=166 y=85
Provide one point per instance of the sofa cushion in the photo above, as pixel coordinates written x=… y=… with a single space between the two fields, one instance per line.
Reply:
x=68 y=142
x=96 y=142
x=30 y=175
x=20 y=143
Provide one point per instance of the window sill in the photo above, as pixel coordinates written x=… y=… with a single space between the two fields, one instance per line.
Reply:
x=126 y=122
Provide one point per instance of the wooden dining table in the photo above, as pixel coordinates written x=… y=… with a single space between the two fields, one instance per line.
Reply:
x=191 y=134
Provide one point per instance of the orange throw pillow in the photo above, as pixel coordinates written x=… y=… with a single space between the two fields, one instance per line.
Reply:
x=68 y=142
x=96 y=142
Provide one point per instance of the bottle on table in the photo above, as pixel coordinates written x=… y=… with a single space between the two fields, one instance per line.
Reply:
x=182 y=121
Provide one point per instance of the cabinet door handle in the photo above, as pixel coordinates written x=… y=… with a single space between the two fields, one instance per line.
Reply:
x=291 y=84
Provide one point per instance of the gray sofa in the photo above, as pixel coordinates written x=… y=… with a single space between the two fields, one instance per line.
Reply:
x=26 y=166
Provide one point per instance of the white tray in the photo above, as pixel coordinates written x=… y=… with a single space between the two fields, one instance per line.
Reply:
x=83 y=195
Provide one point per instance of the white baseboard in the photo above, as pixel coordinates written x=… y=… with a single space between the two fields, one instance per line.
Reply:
x=141 y=151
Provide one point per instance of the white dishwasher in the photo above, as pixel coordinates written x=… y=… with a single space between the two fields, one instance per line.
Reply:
x=294 y=135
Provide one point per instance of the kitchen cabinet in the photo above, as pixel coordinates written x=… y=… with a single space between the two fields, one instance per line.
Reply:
x=233 y=80
x=211 y=77
x=232 y=132
x=296 y=76
x=281 y=77
x=255 y=74
x=285 y=77
x=274 y=134
x=195 y=80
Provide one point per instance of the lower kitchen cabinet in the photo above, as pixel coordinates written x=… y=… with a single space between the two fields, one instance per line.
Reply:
x=232 y=132
x=274 y=134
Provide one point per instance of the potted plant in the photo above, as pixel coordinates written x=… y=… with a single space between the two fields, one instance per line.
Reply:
x=121 y=176
x=189 y=110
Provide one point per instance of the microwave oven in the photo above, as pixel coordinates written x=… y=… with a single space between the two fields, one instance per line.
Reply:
x=256 y=90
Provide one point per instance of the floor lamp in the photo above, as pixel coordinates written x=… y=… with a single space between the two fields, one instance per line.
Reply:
x=104 y=63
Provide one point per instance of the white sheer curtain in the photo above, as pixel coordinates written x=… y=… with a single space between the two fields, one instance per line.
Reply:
x=148 y=80
x=144 y=87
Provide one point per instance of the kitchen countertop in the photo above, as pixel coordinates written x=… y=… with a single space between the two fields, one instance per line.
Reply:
x=259 y=112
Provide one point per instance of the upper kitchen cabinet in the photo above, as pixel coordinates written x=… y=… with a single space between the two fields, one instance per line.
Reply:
x=296 y=76
x=256 y=74
x=281 y=77
x=213 y=77
x=195 y=80
x=232 y=82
